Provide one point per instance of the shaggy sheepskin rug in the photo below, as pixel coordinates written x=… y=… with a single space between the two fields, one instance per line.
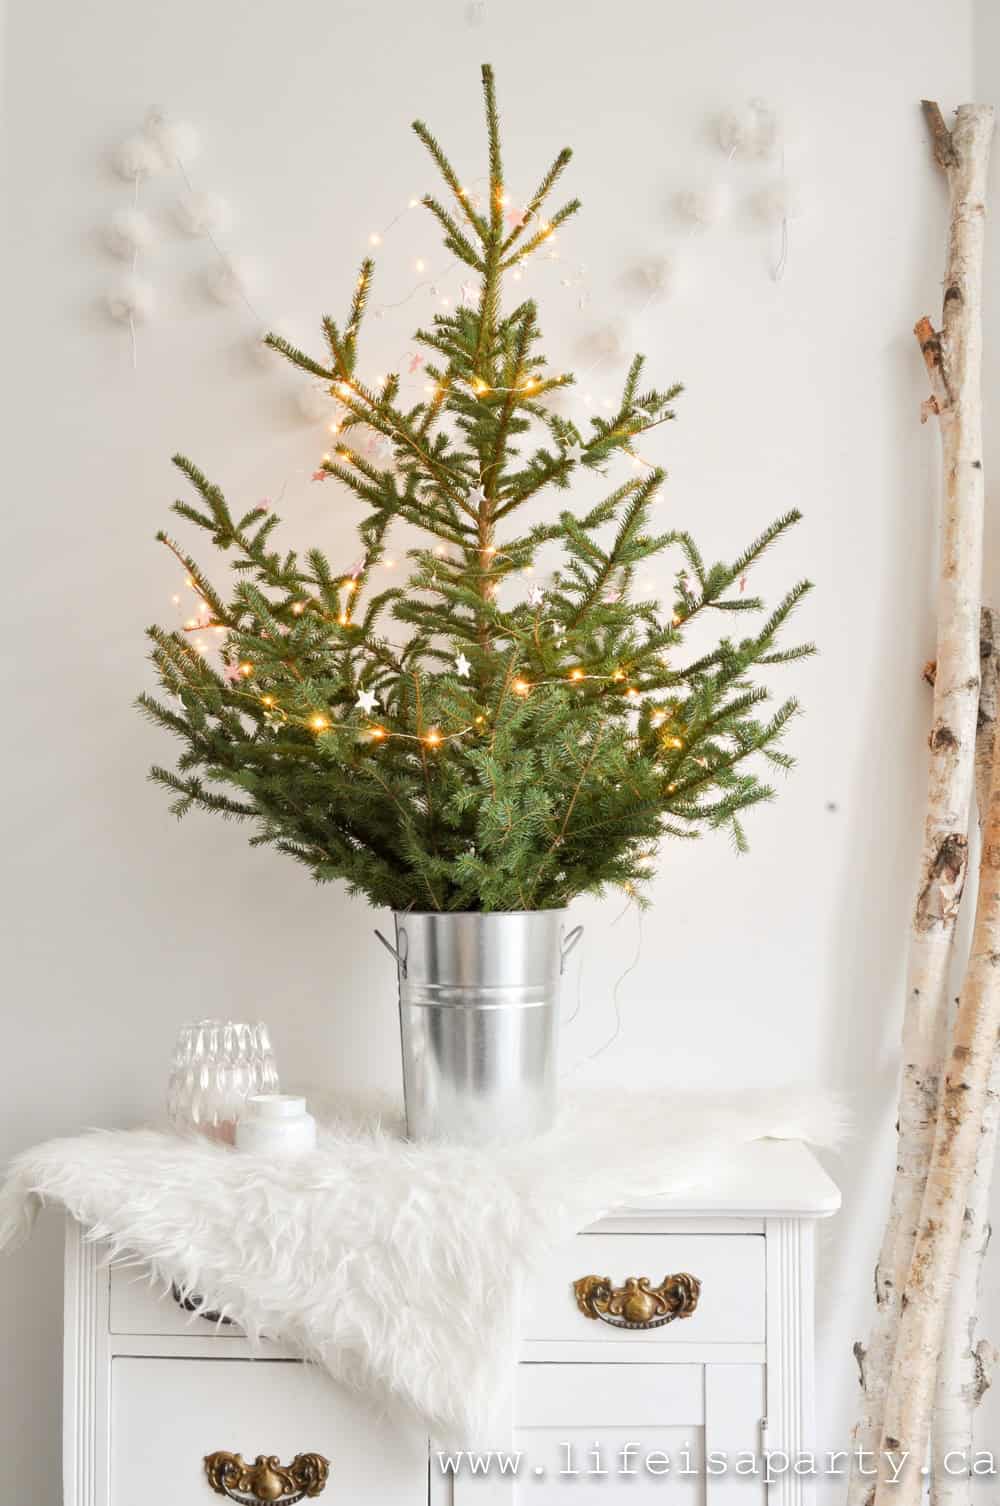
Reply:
x=395 y=1266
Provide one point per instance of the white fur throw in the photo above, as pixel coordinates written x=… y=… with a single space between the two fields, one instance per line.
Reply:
x=341 y=1253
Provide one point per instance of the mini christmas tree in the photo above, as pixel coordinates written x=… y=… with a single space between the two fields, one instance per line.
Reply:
x=450 y=743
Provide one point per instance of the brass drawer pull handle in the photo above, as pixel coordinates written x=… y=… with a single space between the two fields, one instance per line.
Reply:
x=265 y=1479
x=637 y=1304
x=194 y=1304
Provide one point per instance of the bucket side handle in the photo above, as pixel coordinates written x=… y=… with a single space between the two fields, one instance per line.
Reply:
x=401 y=960
x=568 y=943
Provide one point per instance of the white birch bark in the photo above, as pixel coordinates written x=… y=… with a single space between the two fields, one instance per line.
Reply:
x=910 y=1394
x=953 y=361
x=966 y=1365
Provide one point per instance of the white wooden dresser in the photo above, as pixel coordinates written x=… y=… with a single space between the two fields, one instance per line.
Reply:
x=620 y=1386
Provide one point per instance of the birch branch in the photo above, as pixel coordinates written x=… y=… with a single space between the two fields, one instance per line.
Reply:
x=965 y=1367
x=910 y=1396
x=953 y=359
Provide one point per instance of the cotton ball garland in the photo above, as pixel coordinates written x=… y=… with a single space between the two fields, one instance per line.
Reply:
x=754 y=131
x=128 y=232
x=229 y=282
x=137 y=157
x=200 y=214
x=176 y=140
x=704 y=206
x=776 y=202
x=131 y=300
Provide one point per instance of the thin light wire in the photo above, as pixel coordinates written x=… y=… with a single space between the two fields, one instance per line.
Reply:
x=579 y=989
x=615 y=999
x=428 y=282
x=778 y=270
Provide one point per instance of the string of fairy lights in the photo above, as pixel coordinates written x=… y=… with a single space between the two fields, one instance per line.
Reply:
x=433 y=738
x=201 y=624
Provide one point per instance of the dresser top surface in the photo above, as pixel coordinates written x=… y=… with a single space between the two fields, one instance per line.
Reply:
x=763 y=1179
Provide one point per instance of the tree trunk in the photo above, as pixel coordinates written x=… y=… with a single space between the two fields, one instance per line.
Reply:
x=965 y=1367
x=953 y=361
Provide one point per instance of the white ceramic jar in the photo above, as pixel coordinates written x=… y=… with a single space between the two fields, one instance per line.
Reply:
x=276 y=1124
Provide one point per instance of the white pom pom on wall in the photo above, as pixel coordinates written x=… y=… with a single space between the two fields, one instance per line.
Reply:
x=131 y=301
x=314 y=403
x=656 y=278
x=128 y=232
x=174 y=140
x=200 y=214
x=230 y=282
x=704 y=206
x=752 y=131
x=778 y=201
x=606 y=343
x=260 y=354
x=137 y=157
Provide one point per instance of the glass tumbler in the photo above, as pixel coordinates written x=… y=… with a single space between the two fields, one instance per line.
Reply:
x=217 y=1065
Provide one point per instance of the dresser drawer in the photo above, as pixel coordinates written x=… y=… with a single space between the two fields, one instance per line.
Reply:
x=727 y=1296
x=167 y=1415
x=139 y=1308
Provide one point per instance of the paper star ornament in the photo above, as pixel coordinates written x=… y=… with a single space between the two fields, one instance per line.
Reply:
x=368 y=700
x=462 y=667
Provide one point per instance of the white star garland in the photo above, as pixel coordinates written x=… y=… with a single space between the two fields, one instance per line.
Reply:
x=462 y=666
x=368 y=700
x=574 y=452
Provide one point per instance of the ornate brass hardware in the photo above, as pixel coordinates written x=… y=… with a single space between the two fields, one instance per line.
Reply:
x=265 y=1479
x=637 y=1304
x=195 y=1304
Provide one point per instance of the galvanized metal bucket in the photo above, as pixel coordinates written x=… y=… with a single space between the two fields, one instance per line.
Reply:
x=479 y=1016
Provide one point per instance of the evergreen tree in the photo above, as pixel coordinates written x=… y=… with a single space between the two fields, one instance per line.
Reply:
x=504 y=755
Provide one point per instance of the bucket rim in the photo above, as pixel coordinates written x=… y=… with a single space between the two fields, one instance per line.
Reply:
x=479 y=914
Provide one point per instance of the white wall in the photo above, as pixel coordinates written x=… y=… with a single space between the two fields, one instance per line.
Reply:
x=120 y=924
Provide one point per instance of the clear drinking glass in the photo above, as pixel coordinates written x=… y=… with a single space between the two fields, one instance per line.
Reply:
x=217 y=1065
